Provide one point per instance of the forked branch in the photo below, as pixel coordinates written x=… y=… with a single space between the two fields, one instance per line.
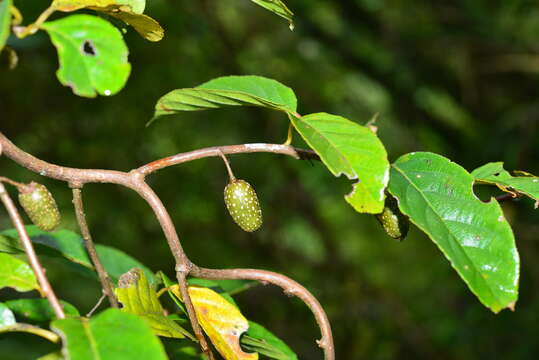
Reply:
x=184 y=267
x=290 y=287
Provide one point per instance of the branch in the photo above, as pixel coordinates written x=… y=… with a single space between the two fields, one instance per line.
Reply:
x=289 y=286
x=89 y=244
x=183 y=264
x=30 y=252
x=296 y=153
x=135 y=181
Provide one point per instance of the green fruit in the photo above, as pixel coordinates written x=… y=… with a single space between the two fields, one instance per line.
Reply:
x=40 y=206
x=242 y=204
x=395 y=223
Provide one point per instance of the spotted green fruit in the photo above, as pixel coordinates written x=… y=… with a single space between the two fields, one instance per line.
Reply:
x=242 y=204
x=395 y=223
x=40 y=206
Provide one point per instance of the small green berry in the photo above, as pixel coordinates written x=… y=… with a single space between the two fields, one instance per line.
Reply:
x=40 y=206
x=394 y=222
x=242 y=204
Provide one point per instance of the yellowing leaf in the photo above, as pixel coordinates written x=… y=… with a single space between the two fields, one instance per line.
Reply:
x=222 y=321
x=146 y=26
x=129 y=11
x=138 y=297
x=16 y=274
x=137 y=6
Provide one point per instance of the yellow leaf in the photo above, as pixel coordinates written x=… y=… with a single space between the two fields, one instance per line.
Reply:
x=129 y=11
x=146 y=26
x=137 y=6
x=221 y=321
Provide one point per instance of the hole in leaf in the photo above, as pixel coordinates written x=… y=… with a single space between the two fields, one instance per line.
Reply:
x=484 y=192
x=88 y=48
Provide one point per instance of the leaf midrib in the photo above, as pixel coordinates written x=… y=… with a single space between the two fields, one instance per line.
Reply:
x=91 y=339
x=451 y=233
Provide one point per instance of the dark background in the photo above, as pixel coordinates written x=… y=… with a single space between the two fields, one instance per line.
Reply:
x=457 y=78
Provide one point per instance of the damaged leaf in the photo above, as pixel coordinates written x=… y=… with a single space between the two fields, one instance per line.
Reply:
x=92 y=55
x=350 y=149
x=221 y=321
x=140 y=298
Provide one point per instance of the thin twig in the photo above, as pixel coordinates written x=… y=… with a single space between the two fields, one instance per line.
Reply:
x=104 y=278
x=30 y=252
x=290 y=287
x=228 y=168
x=18 y=185
x=294 y=152
x=99 y=301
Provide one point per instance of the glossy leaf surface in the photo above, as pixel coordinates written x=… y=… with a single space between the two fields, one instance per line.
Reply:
x=222 y=321
x=37 y=310
x=494 y=173
x=5 y=21
x=277 y=7
x=229 y=91
x=111 y=334
x=7 y=317
x=16 y=274
x=92 y=55
x=140 y=298
x=474 y=236
x=263 y=341
x=350 y=149
x=69 y=245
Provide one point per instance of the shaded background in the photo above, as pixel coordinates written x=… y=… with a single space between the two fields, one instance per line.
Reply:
x=458 y=79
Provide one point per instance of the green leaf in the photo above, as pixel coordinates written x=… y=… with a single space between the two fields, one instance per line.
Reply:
x=117 y=263
x=259 y=339
x=139 y=297
x=231 y=91
x=168 y=284
x=56 y=355
x=111 y=334
x=187 y=352
x=7 y=317
x=69 y=245
x=494 y=173
x=5 y=21
x=277 y=7
x=474 y=236
x=350 y=149
x=92 y=54
x=10 y=245
x=37 y=310
x=16 y=274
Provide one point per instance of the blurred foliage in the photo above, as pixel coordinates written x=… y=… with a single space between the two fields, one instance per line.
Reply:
x=458 y=78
